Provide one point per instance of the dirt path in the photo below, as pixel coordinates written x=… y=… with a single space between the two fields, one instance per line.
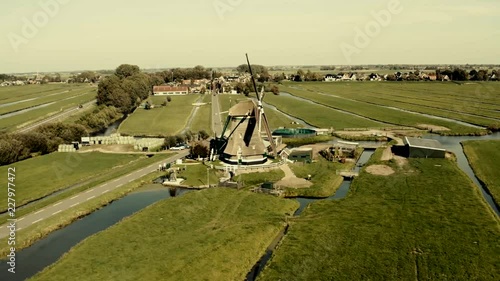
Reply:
x=290 y=180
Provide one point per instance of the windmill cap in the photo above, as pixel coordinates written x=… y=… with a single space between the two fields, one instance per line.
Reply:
x=242 y=108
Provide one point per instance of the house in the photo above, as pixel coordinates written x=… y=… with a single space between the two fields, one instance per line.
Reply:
x=330 y=78
x=195 y=88
x=346 y=77
x=423 y=148
x=170 y=90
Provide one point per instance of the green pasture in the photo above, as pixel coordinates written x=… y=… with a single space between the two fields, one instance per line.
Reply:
x=427 y=221
x=203 y=118
x=472 y=103
x=19 y=93
x=214 y=234
x=379 y=113
x=14 y=122
x=160 y=121
x=318 y=115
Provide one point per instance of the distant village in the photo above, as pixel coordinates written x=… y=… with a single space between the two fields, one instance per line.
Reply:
x=232 y=82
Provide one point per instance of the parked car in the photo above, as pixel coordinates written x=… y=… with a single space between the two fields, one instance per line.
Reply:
x=179 y=147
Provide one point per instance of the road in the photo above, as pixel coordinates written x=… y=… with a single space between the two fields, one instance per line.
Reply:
x=67 y=112
x=84 y=196
x=216 y=119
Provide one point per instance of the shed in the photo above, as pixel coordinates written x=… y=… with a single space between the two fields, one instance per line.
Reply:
x=301 y=154
x=423 y=148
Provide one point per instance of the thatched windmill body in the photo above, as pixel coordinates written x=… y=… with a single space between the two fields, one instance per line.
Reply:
x=241 y=141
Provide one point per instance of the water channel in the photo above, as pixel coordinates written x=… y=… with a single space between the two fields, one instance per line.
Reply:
x=48 y=250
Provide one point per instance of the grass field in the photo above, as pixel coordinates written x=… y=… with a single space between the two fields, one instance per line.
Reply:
x=374 y=112
x=20 y=93
x=472 y=103
x=40 y=176
x=214 y=234
x=484 y=157
x=54 y=102
x=160 y=121
x=319 y=116
x=47 y=98
x=203 y=118
x=425 y=222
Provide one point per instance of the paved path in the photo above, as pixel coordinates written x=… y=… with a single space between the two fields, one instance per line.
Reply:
x=65 y=113
x=216 y=119
x=194 y=111
x=84 y=196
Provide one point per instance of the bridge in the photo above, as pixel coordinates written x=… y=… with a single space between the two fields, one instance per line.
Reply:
x=347 y=174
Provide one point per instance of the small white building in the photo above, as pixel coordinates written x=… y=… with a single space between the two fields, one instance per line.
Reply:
x=330 y=78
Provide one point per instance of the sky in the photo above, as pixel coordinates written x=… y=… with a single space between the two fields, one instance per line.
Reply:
x=67 y=35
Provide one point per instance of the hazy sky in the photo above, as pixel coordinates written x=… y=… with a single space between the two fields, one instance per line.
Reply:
x=98 y=34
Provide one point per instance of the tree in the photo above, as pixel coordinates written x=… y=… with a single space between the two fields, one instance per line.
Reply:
x=391 y=77
x=199 y=150
x=170 y=141
x=459 y=75
x=275 y=90
x=203 y=135
x=126 y=70
x=473 y=75
x=482 y=75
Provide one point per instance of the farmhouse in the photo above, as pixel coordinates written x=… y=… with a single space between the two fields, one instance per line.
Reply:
x=330 y=78
x=423 y=148
x=170 y=90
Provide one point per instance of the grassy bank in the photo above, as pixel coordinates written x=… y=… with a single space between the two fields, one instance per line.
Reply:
x=214 y=234
x=484 y=157
x=325 y=180
x=296 y=142
x=92 y=181
x=427 y=221
x=40 y=176
x=256 y=179
x=29 y=235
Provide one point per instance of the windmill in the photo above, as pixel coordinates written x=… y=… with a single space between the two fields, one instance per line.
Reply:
x=241 y=141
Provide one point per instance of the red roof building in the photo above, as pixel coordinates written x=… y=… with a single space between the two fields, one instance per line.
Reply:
x=170 y=90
